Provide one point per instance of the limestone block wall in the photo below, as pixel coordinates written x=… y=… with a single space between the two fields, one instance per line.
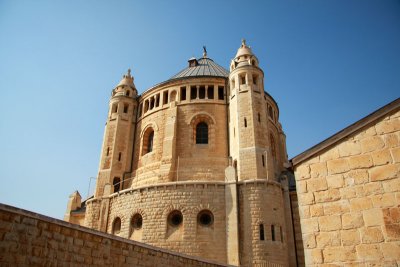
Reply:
x=155 y=203
x=349 y=199
x=261 y=203
x=31 y=239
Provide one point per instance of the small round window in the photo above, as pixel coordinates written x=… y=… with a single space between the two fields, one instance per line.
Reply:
x=205 y=218
x=137 y=221
x=175 y=218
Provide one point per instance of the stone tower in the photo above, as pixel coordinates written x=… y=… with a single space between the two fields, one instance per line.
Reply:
x=117 y=148
x=258 y=156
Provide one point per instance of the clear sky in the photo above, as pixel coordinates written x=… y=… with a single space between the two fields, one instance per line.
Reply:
x=326 y=63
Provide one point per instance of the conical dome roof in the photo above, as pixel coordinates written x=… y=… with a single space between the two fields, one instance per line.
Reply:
x=127 y=79
x=203 y=67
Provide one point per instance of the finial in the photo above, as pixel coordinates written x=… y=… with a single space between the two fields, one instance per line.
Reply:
x=204 y=51
x=129 y=72
x=243 y=42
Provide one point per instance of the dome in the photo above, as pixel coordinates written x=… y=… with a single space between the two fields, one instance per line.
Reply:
x=244 y=50
x=127 y=79
x=203 y=67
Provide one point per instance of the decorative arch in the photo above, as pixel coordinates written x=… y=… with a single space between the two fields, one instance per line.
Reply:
x=199 y=119
x=149 y=124
x=202 y=115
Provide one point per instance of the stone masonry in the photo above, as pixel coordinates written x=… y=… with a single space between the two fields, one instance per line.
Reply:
x=31 y=239
x=349 y=195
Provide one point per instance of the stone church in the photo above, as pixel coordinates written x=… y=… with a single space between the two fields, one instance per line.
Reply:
x=197 y=164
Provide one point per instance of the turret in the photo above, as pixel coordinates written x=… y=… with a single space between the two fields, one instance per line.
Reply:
x=116 y=154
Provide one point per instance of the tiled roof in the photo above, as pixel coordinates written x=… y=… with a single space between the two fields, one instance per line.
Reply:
x=206 y=67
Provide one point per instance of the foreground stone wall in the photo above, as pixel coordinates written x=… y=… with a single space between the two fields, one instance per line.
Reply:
x=349 y=199
x=31 y=239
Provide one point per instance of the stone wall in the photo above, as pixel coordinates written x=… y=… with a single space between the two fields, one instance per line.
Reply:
x=349 y=198
x=31 y=239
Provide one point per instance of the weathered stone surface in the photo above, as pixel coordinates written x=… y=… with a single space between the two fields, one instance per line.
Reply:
x=338 y=166
x=317 y=184
x=349 y=148
x=372 y=144
x=373 y=217
x=384 y=172
x=330 y=223
x=381 y=157
x=371 y=235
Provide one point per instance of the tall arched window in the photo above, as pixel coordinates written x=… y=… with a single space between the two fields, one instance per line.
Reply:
x=273 y=146
x=150 y=142
x=202 y=133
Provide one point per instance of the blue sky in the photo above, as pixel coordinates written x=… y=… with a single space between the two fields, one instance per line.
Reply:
x=327 y=64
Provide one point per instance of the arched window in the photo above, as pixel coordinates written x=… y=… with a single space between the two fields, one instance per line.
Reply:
x=150 y=142
x=202 y=133
x=116 y=226
x=273 y=146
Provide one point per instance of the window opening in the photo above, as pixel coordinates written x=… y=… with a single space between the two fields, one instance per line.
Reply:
x=150 y=142
x=137 y=221
x=119 y=156
x=146 y=106
x=220 y=92
x=205 y=218
x=270 y=112
x=202 y=133
x=108 y=151
x=262 y=236
x=183 y=93
x=116 y=226
x=245 y=122
x=175 y=218
x=157 y=99
x=151 y=103
x=210 y=92
x=243 y=79
x=165 y=97
x=259 y=117
x=273 y=232
x=193 y=92
x=202 y=92
x=116 y=184
x=263 y=160
x=280 y=230
x=115 y=108
x=126 y=107
x=255 y=77
x=128 y=93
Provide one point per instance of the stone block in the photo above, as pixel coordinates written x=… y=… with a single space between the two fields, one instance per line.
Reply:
x=318 y=169
x=305 y=199
x=309 y=241
x=336 y=208
x=338 y=166
x=328 y=239
x=358 y=176
x=384 y=200
x=339 y=254
x=332 y=153
x=369 y=252
x=358 y=204
x=360 y=161
x=301 y=187
x=352 y=220
x=302 y=172
x=384 y=172
x=350 y=237
x=335 y=181
x=388 y=126
x=373 y=217
x=381 y=157
x=316 y=210
x=395 y=154
x=371 y=144
x=309 y=226
x=391 y=251
x=392 y=140
x=391 y=215
x=392 y=232
x=373 y=188
x=304 y=212
x=349 y=148
x=316 y=184
x=330 y=223
x=327 y=196
x=347 y=192
x=371 y=235
x=391 y=185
